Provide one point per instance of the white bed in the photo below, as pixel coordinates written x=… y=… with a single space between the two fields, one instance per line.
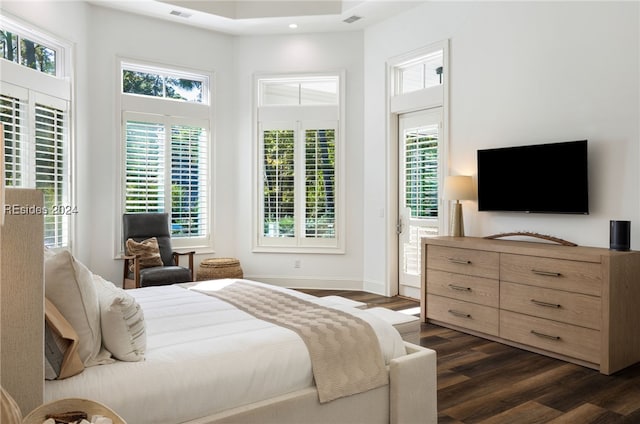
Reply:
x=230 y=362
x=409 y=397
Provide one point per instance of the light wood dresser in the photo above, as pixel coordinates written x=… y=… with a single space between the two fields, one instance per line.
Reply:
x=579 y=304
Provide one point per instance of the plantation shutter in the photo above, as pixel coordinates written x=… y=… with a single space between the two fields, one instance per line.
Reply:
x=166 y=171
x=13 y=115
x=278 y=185
x=421 y=179
x=320 y=181
x=188 y=180
x=51 y=171
x=144 y=165
x=36 y=154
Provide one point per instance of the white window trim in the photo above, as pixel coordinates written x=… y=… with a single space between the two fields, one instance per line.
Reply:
x=62 y=48
x=51 y=90
x=187 y=112
x=312 y=113
x=164 y=70
x=427 y=98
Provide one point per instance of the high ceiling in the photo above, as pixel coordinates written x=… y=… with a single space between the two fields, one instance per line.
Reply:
x=266 y=16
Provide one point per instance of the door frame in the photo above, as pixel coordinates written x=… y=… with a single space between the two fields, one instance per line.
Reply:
x=397 y=105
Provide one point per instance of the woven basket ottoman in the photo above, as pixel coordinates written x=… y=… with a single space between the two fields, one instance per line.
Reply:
x=214 y=268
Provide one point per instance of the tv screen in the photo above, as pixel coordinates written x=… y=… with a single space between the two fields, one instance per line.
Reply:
x=541 y=178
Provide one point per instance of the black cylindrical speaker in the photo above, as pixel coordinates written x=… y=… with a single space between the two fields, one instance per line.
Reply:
x=620 y=235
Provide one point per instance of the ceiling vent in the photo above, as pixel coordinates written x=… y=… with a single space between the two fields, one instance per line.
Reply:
x=352 y=19
x=180 y=14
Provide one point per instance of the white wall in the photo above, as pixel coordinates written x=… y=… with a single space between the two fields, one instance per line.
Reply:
x=520 y=73
x=287 y=54
x=115 y=34
x=102 y=35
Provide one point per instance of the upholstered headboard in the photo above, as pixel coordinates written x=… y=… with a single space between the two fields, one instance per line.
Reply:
x=22 y=298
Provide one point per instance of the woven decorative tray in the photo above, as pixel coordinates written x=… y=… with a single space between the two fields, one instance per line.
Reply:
x=38 y=415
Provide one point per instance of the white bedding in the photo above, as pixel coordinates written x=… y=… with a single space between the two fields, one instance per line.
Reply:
x=203 y=356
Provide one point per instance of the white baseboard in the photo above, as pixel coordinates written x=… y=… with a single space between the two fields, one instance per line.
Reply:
x=377 y=287
x=412 y=292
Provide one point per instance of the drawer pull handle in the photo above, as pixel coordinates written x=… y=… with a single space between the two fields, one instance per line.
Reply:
x=459 y=314
x=459 y=261
x=545 y=336
x=546 y=273
x=459 y=288
x=546 y=304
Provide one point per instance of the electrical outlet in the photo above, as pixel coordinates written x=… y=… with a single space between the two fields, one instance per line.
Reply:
x=296 y=263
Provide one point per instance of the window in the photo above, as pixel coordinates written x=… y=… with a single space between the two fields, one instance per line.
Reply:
x=421 y=172
x=299 y=164
x=166 y=145
x=183 y=166
x=420 y=73
x=167 y=84
x=34 y=111
x=307 y=91
x=28 y=52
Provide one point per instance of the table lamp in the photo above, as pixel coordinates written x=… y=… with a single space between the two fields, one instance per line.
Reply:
x=458 y=187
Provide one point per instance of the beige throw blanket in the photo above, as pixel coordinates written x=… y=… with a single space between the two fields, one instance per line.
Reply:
x=345 y=354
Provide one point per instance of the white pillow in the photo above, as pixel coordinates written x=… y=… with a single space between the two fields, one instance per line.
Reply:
x=69 y=286
x=122 y=321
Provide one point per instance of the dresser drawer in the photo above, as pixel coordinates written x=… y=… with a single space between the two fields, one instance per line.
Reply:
x=565 y=339
x=479 y=290
x=572 y=276
x=464 y=261
x=463 y=314
x=571 y=308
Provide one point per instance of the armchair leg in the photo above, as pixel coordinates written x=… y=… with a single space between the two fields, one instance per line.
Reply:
x=176 y=260
x=128 y=283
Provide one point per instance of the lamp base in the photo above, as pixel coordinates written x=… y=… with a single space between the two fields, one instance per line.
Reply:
x=457 y=223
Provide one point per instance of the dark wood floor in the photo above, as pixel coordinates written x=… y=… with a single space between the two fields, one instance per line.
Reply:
x=480 y=381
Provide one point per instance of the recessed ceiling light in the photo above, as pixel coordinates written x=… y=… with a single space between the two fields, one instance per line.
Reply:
x=293 y=26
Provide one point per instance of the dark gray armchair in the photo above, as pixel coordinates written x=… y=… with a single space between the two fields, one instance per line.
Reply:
x=142 y=226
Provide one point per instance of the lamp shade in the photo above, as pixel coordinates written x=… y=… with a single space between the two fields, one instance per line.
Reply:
x=458 y=187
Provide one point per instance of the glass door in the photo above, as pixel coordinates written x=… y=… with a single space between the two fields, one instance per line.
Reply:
x=419 y=205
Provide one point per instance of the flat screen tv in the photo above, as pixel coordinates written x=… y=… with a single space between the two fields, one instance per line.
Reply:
x=540 y=178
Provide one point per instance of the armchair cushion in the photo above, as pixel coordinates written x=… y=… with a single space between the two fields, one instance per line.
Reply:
x=147 y=251
x=141 y=226
x=161 y=275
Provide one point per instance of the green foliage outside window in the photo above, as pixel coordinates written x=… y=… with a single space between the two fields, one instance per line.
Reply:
x=279 y=188
x=15 y=48
x=156 y=85
x=279 y=184
x=320 y=149
x=421 y=177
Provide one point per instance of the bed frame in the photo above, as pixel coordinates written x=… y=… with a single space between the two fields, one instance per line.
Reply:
x=22 y=299
x=410 y=396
